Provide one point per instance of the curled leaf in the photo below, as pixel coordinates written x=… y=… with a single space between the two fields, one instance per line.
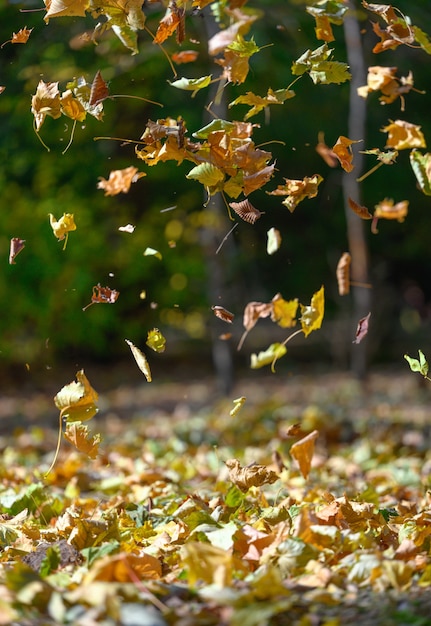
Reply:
x=362 y=329
x=403 y=135
x=141 y=360
x=250 y=476
x=418 y=365
x=386 y=209
x=268 y=356
x=297 y=190
x=237 y=406
x=343 y=274
x=77 y=400
x=421 y=166
x=78 y=435
x=302 y=451
x=246 y=211
x=99 y=90
x=274 y=240
x=62 y=227
x=223 y=314
x=152 y=252
x=192 y=84
x=16 y=245
x=312 y=315
x=103 y=295
x=155 y=340
x=343 y=151
x=361 y=211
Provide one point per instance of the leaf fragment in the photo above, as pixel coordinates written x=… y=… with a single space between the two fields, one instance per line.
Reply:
x=237 y=406
x=152 y=252
x=119 y=180
x=102 y=295
x=361 y=211
x=297 y=190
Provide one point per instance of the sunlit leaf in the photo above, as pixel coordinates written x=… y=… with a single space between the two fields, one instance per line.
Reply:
x=297 y=190
x=46 y=101
x=237 y=406
x=77 y=401
x=63 y=226
x=343 y=150
x=303 y=450
x=312 y=315
x=192 y=84
x=155 y=340
x=63 y=8
x=77 y=434
x=119 y=181
x=403 y=135
x=152 y=252
x=253 y=475
x=284 y=311
x=274 y=352
x=246 y=211
x=141 y=360
x=207 y=174
x=418 y=365
x=273 y=240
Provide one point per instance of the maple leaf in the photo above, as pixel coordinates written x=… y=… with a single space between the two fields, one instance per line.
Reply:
x=398 y=30
x=62 y=227
x=403 y=135
x=22 y=36
x=320 y=69
x=46 y=101
x=312 y=315
x=119 y=180
x=384 y=79
x=242 y=23
x=302 y=451
x=99 y=90
x=343 y=273
x=258 y=103
x=297 y=190
x=235 y=61
x=253 y=475
x=77 y=434
x=421 y=166
x=325 y=13
x=343 y=151
x=362 y=329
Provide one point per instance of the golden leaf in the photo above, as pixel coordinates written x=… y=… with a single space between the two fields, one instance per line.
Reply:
x=119 y=180
x=63 y=226
x=312 y=315
x=284 y=311
x=343 y=151
x=77 y=434
x=77 y=401
x=403 y=135
x=46 y=101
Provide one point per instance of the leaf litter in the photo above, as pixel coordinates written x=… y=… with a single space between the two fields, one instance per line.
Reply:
x=198 y=515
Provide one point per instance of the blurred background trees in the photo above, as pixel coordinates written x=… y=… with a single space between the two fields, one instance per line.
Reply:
x=43 y=294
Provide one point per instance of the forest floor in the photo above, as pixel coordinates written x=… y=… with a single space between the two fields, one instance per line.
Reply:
x=164 y=532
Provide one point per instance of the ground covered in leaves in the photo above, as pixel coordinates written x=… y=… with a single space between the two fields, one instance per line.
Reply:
x=310 y=505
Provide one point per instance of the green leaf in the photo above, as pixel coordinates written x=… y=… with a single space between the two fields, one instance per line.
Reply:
x=155 y=340
x=207 y=174
x=234 y=497
x=331 y=9
x=418 y=365
x=273 y=353
x=330 y=72
x=212 y=127
x=50 y=561
x=421 y=166
x=191 y=84
x=93 y=553
x=422 y=39
x=310 y=58
x=152 y=252
x=242 y=47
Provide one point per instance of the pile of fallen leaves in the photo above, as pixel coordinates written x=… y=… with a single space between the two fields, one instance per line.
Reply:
x=309 y=508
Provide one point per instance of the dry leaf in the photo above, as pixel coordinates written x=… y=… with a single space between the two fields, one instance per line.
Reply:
x=99 y=90
x=361 y=211
x=284 y=311
x=103 y=295
x=223 y=314
x=302 y=451
x=129 y=228
x=120 y=180
x=141 y=360
x=246 y=211
x=16 y=245
x=238 y=404
x=250 y=476
x=362 y=328
x=343 y=151
x=343 y=274
x=155 y=340
x=77 y=434
x=404 y=135
x=185 y=56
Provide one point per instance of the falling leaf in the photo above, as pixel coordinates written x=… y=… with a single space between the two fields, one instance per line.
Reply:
x=398 y=30
x=361 y=211
x=77 y=400
x=253 y=475
x=237 y=406
x=141 y=360
x=258 y=103
x=302 y=451
x=312 y=315
x=155 y=340
x=421 y=166
x=273 y=240
x=223 y=313
x=77 y=434
x=268 y=356
x=99 y=90
x=191 y=84
x=343 y=151
x=246 y=211
x=362 y=329
x=169 y=23
x=119 y=180
x=320 y=68
x=103 y=295
x=403 y=135
x=207 y=174
x=72 y=107
x=284 y=311
x=343 y=274
x=152 y=252
x=386 y=209
x=63 y=8
x=185 y=56
x=297 y=190
x=21 y=36
x=384 y=79
x=62 y=227
x=46 y=101
x=129 y=228
x=325 y=14
x=418 y=365
x=16 y=245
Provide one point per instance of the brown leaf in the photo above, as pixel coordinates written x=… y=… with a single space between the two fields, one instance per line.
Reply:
x=99 y=90
x=16 y=245
x=362 y=211
x=343 y=274
x=343 y=152
x=185 y=56
x=171 y=22
x=246 y=211
x=362 y=328
x=103 y=295
x=250 y=476
x=302 y=451
x=223 y=314
x=325 y=152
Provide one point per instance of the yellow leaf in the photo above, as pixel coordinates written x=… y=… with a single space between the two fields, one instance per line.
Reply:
x=268 y=356
x=63 y=226
x=141 y=360
x=237 y=406
x=71 y=107
x=207 y=174
x=302 y=451
x=77 y=401
x=124 y=568
x=343 y=152
x=312 y=315
x=284 y=311
x=402 y=135
x=62 y=8
x=156 y=341
x=207 y=563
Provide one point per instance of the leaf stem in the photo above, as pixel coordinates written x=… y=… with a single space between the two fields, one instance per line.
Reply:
x=123 y=95
x=57 y=450
x=70 y=140
x=283 y=344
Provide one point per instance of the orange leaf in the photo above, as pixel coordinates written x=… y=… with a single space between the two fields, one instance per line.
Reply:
x=362 y=211
x=119 y=180
x=325 y=152
x=173 y=20
x=343 y=152
x=103 y=295
x=302 y=451
x=125 y=567
x=185 y=56
x=77 y=434
x=402 y=135
x=386 y=209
